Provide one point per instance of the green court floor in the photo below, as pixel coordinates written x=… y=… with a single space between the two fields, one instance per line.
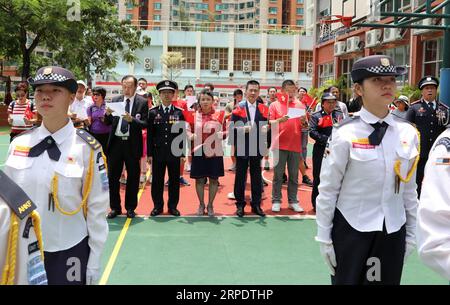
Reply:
x=198 y=251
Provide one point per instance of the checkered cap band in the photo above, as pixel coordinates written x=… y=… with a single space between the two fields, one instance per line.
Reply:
x=52 y=76
x=382 y=69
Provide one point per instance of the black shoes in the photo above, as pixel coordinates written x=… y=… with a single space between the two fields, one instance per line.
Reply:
x=131 y=214
x=307 y=181
x=156 y=212
x=258 y=211
x=113 y=214
x=174 y=212
x=240 y=212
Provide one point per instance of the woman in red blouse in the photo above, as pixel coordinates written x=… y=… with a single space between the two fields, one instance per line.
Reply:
x=206 y=130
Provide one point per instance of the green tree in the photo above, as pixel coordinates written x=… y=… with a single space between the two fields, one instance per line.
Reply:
x=80 y=33
x=172 y=61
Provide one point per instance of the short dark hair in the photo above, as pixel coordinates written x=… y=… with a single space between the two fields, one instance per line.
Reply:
x=22 y=86
x=287 y=83
x=331 y=87
x=210 y=85
x=303 y=89
x=142 y=79
x=100 y=90
x=188 y=86
x=130 y=76
x=272 y=88
x=252 y=82
x=237 y=92
x=206 y=92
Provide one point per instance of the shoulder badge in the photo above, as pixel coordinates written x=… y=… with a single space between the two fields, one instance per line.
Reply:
x=88 y=138
x=347 y=120
x=443 y=141
x=415 y=102
x=15 y=197
x=443 y=105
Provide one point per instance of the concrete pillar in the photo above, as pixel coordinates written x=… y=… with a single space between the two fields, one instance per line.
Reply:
x=165 y=46
x=295 y=57
x=231 y=36
x=198 y=53
x=263 y=55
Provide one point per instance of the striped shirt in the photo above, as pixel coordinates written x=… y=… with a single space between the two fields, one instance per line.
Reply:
x=20 y=110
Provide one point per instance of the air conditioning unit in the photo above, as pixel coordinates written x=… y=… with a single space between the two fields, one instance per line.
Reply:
x=214 y=65
x=309 y=68
x=148 y=63
x=428 y=21
x=373 y=38
x=391 y=34
x=247 y=66
x=279 y=66
x=352 y=44
x=339 y=48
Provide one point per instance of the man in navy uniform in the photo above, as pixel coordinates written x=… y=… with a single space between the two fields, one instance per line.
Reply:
x=320 y=126
x=430 y=117
x=165 y=125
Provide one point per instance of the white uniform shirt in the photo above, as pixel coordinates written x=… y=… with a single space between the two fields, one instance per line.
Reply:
x=359 y=179
x=433 y=215
x=80 y=108
x=252 y=110
x=119 y=133
x=29 y=266
x=34 y=175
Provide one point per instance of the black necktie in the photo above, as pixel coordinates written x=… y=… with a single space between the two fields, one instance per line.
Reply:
x=166 y=111
x=49 y=145
x=124 y=125
x=377 y=135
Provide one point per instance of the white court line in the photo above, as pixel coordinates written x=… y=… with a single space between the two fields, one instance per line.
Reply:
x=300 y=217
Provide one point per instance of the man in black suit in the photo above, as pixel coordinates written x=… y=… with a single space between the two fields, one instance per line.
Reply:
x=250 y=125
x=166 y=139
x=125 y=146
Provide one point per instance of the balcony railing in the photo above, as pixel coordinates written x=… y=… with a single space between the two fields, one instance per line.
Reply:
x=249 y=25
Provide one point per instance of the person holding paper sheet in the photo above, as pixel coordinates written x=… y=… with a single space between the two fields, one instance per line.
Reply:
x=287 y=141
x=96 y=116
x=21 y=112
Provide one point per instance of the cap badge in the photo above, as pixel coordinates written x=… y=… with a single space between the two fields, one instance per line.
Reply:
x=385 y=62
x=428 y=79
x=48 y=71
x=166 y=83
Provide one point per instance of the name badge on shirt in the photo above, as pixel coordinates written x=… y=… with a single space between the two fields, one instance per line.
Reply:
x=362 y=143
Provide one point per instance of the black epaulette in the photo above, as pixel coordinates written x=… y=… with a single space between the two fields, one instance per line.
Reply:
x=154 y=107
x=88 y=138
x=442 y=104
x=15 y=197
x=181 y=109
x=415 y=102
x=346 y=121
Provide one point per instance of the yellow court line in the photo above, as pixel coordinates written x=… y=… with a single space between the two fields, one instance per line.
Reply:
x=118 y=245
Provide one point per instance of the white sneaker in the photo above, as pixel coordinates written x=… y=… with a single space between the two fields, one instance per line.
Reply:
x=231 y=196
x=296 y=207
x=276 y=207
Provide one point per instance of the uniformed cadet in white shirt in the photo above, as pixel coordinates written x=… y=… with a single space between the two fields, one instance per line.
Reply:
x=21 y=251
x=63 y=171
x=433 y=214
x=366 y=208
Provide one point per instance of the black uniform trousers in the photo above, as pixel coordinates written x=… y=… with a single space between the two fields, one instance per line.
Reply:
x=68 y=267
x=159 y=166
x=420 y=173
x=317 y=157
x=355 y=253
x=120 y=152
x=240 y=181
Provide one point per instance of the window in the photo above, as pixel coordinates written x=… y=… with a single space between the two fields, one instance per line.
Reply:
x=246 y=54
x=129 y=16
x=300 y=1
x=188 y=54
x=241 y=6
x=326 y=72
x=303 y=58
x=401 y=58
x=130 y=5
x=157 y=17
x=250 y=4
x=300 y=11
x=174 y=13
x=157 y=6
x=214 y=53
x=272 y=10
x=402 y=5
x=175 y=2
x=433 y=57
x=272 y=21
x=279 y=55
x=300 y=22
